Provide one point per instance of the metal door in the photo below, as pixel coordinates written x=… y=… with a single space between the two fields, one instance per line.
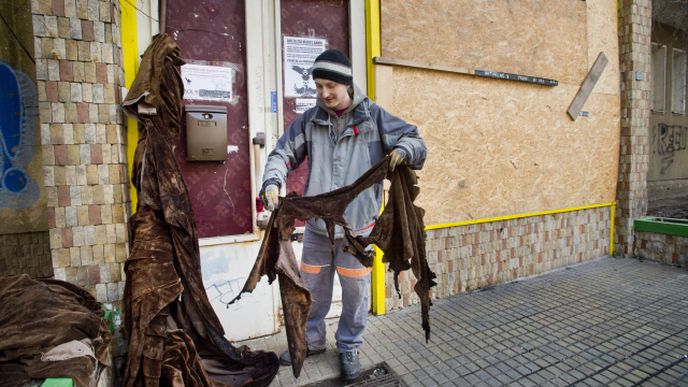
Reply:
x=309 y=26
x=325 y=20
x=212 y=33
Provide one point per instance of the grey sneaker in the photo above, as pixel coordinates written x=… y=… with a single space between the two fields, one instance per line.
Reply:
x=349 y=365
x=285 y=357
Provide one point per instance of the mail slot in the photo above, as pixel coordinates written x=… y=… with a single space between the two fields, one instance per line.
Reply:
x=206 y=133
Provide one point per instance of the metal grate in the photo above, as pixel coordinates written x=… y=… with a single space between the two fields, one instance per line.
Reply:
x=380 y=375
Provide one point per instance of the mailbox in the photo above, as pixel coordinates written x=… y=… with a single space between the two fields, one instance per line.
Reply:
x=206 y=133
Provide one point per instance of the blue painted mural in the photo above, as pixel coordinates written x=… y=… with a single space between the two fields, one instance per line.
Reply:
x=18 y=113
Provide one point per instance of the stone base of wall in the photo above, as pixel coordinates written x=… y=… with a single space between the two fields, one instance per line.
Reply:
x=666 y=189
x=471 y=257
x=26 y=253
x=670 y=249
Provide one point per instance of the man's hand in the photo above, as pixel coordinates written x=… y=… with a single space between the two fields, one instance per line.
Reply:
x=398 y=158
x=270 y=197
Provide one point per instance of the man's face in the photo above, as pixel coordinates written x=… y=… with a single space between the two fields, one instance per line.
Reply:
x=335 y=95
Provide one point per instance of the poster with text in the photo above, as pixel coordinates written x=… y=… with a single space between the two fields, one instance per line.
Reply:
x=303 y=104
x=299 y=56
x=208 y=83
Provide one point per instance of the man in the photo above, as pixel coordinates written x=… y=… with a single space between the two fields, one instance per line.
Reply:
x=344 y=135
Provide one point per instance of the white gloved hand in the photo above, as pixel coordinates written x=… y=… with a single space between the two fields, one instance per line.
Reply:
x=270 y=197
x=398 y=158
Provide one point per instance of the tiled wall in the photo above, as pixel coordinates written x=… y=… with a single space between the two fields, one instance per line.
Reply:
x=475 y=256
x=79 y=73
x=670 y=249
x=635 y=26
x=27 y=253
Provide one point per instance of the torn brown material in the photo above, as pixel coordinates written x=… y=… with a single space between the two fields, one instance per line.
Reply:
x=175 y=337
x=399 y=232
x=38 y=315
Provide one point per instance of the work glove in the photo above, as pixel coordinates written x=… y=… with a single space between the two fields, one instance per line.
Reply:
x=270 y=196
x=398 y=158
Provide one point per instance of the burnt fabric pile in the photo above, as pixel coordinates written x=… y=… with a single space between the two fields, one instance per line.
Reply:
x=175 y=337
x=399 y=232
x=50 y=328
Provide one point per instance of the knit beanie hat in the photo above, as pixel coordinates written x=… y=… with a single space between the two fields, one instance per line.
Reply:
x=334 y=66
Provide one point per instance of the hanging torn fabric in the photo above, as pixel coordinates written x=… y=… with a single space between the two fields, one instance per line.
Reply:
x=175 y=337
x=399 y=232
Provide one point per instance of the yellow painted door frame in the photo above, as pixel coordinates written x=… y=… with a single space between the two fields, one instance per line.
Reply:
x=130 y=64
x=372 y=12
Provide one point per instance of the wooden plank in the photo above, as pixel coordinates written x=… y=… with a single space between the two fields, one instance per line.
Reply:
x=516 y=77
x=383 y=85
x=421 y=65
x=587 y=86
x=462 y=70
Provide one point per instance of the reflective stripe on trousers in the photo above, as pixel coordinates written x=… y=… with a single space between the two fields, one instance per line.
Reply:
x=319 y=262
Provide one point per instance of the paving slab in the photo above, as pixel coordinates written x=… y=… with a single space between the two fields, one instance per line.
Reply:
x=611 y=321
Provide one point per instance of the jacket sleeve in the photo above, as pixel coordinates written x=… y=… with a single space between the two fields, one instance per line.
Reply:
x=287 y=155
x=397 y=133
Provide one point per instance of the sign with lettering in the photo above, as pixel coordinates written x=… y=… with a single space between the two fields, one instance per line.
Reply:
x=299 y=56
x=208 y=83
x=516 y=77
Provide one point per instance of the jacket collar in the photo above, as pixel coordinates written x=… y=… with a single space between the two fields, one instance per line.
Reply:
x=359 y=109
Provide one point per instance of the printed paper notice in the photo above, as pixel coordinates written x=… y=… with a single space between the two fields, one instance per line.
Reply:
x=299 y=56
x=303 y=104
x=208 y=83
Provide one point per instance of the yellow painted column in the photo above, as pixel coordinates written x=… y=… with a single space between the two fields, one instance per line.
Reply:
x=373 y=49
x=372 y=11
x=130 y=64
x=611 y=229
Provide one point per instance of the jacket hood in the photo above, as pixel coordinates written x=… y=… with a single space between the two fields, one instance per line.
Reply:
x=358 y=97
x=358 y=108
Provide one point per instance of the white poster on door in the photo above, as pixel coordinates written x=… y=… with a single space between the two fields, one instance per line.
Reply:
x=303 y=104
x=208 y=83
x=299 y=56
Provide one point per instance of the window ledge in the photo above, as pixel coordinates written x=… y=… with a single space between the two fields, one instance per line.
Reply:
x=669 y=226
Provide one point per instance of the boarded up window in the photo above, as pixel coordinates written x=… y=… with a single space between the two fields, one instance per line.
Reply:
x=523 y=37
x=498 y=148
x=678 y=82
x=658 y=76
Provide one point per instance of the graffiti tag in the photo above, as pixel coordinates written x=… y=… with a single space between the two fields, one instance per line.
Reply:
x=667 y=140
x=17 y=131
x=225 y=291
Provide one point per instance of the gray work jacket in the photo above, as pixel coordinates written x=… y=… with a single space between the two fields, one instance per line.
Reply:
x=340 y=150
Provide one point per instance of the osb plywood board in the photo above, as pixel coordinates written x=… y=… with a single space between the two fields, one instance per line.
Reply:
x=530 y=37
x=603 y=37
x=502 y=148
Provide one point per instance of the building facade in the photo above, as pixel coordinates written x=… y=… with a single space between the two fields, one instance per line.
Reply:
x=542 y=121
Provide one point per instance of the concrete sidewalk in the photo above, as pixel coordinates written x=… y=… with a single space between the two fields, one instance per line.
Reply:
x=610 y=322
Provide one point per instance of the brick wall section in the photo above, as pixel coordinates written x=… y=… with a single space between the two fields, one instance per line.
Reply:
x=670 y=249
x=475 y=256
x=79 y=73
x=27 y=253
x=635 y=26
